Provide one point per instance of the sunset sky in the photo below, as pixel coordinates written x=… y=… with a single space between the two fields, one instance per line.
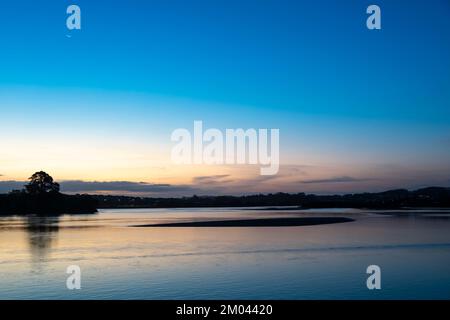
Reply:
x=358 y=110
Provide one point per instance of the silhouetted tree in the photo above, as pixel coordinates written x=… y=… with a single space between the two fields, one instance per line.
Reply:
x=41 y=183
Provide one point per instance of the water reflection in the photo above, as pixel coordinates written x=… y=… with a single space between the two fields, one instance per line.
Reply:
x=323 y=261
x=42 y=234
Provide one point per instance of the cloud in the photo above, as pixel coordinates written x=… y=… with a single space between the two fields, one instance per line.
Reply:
x=123 y=186
x=211 y=179
x=218 y=184
x=221 y=184
x=7 y=186
x=340 y=179
x=111 y=187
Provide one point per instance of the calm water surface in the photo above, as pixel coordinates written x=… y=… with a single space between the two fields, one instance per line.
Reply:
x=310 y=262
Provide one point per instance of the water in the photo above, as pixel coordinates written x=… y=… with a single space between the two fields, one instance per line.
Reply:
x=308 y=262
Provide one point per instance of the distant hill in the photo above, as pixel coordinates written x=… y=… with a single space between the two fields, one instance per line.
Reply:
x=427 y=197
x=22 y=203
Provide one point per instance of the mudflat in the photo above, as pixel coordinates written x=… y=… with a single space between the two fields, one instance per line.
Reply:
x=270 y=222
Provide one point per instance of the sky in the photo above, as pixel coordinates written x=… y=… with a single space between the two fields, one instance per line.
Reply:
x=357 y=109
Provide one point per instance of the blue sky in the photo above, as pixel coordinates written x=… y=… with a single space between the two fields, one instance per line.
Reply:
x=344 y=97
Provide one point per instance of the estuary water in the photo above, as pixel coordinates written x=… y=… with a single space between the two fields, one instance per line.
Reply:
x=121 y=261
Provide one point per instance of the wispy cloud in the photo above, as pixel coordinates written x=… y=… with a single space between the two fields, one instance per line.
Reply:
x=340 y=179
x=211 y=179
